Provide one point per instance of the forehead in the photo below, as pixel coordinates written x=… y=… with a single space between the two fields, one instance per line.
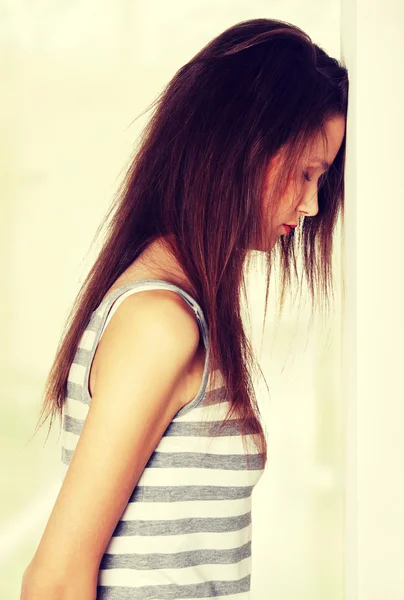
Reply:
x=325 y=151
x=318 y=151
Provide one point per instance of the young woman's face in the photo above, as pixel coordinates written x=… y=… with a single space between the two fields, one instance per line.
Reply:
x=290 y=213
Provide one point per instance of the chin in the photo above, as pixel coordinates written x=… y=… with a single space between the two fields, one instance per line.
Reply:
x=265 y=245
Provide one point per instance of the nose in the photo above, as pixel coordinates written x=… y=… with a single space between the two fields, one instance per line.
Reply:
x=309 y=205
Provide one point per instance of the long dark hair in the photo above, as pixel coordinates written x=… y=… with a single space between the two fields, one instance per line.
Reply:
x=198 y=177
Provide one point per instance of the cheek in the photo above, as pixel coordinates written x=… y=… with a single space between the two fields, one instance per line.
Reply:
x=289 y=203
x=284 y=210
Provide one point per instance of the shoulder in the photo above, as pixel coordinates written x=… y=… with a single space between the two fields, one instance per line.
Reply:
x=152 y=329
x=160 y=311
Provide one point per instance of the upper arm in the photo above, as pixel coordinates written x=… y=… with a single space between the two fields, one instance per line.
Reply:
x=145 y=350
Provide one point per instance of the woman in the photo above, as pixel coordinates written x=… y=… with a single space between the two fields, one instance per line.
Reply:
x=162 y=441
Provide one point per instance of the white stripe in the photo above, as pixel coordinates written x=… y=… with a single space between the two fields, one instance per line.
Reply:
x=87 y=339
x=199 y=477
x=63 y=470
x=76 y=373
x=69 y=440
x=156 y=511
x=75 y=409
x=222 y=445
x=190 y=476
x=185 y=576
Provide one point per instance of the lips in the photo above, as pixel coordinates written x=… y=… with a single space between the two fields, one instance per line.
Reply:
x=288 y=228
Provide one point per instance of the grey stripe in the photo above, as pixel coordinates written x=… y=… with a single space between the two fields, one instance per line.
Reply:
x=82 y=357
x=215 y=396
x=177 y=429
x=204 y=428
x=66 y=455
x=182 y=526
x=95 y=322
x=184 y=493
x=75 y=391
x=72 y=425
x=208 y=589
x=205 y=460
x=177 y=560
x=196 y=460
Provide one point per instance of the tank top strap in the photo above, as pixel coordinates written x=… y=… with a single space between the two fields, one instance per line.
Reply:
x=114 y=299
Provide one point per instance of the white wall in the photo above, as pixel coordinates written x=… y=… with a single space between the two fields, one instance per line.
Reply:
x=372 y=39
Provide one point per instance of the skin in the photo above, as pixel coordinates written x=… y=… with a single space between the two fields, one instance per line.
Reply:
x=307 y=206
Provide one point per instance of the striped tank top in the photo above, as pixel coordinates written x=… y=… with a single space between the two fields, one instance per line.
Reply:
x=186 y=530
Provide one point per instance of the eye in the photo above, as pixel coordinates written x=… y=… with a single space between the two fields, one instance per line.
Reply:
x=306 y=176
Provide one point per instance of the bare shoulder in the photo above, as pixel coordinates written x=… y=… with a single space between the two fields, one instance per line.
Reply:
x=160 y=317
x=163 y=304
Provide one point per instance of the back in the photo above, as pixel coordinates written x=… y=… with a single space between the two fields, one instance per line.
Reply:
x=186 y=530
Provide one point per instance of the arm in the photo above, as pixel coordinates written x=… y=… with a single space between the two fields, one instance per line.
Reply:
x=144 y=352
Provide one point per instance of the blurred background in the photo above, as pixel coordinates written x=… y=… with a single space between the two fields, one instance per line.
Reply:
x=75 y=74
